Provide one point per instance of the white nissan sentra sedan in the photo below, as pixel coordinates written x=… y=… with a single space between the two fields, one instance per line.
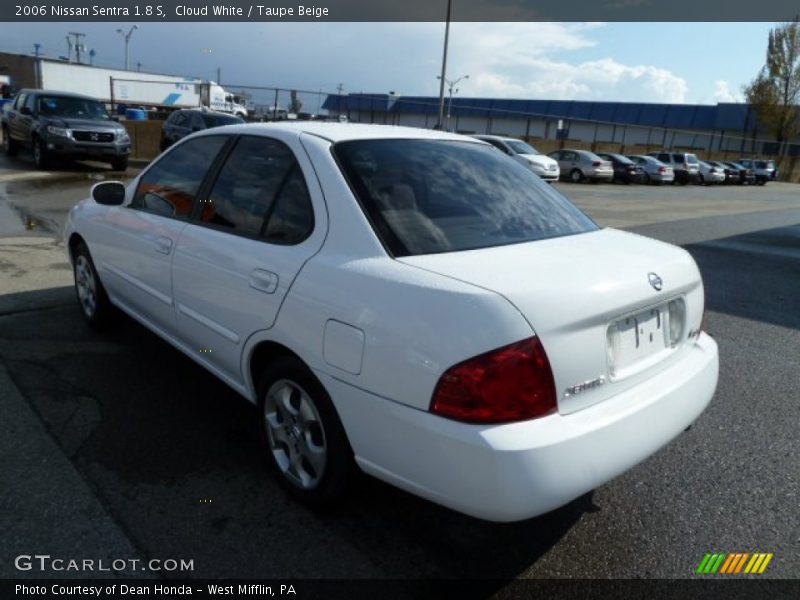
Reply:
x=408 y=301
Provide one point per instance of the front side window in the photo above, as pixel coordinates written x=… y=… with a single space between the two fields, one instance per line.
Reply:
x=259 y=191
x=430 y=196
x=170 y=186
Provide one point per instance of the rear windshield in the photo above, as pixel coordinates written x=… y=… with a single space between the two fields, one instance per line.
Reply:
x=218 y=120
x=522 y=147
x=431 y=196
x=761 y=164
x=691 y=159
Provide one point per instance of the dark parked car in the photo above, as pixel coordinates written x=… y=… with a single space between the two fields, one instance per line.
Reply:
x=746 y=176
x=183 y=122
x=63 y=125
x=625 y=170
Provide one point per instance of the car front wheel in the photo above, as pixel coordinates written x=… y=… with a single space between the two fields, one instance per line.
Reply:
x=95 y=305
x=305 y=441
x=40 y=158
x=119 y=164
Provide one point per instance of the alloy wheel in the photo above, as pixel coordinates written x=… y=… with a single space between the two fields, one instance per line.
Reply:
x=86 y=285
x=295 y=434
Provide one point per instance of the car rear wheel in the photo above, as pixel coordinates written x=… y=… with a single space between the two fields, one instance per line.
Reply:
x=576 y=176
x=40 y=158
x=306 y=445
x=95 y=305
x=701 y=179
x=9 y=145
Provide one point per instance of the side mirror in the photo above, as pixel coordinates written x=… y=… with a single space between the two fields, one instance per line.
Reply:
x=25 y=111
x=108 y=193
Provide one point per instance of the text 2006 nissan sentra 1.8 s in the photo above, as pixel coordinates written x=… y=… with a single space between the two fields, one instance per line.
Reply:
x=409 y=301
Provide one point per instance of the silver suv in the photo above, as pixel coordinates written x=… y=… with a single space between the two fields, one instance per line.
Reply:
x=684 y=164
x=764 y=170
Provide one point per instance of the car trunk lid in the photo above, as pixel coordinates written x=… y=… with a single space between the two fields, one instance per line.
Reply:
x=574 y=289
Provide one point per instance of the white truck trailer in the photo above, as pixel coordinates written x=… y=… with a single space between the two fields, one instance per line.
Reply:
x=117 y=86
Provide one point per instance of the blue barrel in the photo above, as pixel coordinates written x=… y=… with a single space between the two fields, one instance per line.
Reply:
x=135 y=114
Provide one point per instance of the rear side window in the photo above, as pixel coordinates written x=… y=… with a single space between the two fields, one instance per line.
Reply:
x=430 y=196
x=170 y=186
x=664 y=158
x=261 y=191
x=691 y=159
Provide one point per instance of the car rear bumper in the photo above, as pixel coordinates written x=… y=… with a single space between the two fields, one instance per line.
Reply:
x=516 y=471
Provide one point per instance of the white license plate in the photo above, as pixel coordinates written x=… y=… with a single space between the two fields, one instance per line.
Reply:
x=636 y=338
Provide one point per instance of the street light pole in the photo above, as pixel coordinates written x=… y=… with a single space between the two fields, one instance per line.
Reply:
x=127 y=37
x=444 y=66
x=451 y=87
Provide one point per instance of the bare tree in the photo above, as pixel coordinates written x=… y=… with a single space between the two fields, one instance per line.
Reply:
x=294 y=104
x=775 y=92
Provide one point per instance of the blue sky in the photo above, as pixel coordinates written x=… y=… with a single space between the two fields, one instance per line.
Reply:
x=649 y=62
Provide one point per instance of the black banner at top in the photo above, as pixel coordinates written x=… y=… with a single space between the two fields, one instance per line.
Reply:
x=397 y=10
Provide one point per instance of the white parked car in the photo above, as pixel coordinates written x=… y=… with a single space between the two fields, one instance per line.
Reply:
x=410 y=301
x=708 y=173
x=541 y=164
x=583 y=165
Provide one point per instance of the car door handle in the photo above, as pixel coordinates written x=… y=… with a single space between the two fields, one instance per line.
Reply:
x=263 y=281
x=163 y=245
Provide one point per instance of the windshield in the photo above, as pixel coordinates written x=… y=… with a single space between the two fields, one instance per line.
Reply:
x=219 y=120
x=68 y=107
x=521 y=147
x=430 y=196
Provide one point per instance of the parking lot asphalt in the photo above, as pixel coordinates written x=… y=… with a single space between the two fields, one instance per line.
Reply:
x=118 y=436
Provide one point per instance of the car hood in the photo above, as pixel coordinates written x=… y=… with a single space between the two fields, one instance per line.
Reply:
x=570 y=289
x=539 y=159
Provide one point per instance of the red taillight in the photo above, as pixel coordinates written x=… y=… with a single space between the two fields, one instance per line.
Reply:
x=662 y=169
x=513 y=383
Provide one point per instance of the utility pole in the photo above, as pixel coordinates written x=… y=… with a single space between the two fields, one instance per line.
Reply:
x=36 y=50
x=139 y=67
x=92 y=54
x=339 y=89
x=219 y=75
x=444 y=67
x=77 y=44
x=452 y=89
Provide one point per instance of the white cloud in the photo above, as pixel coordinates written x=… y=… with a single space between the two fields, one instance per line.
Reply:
x=521 y=60
x=724 y=93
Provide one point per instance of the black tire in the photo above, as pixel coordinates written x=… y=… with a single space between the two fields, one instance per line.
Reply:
x=93 y=300
x=9 y=145
x=40 y=157
x=290 y=440
x=119 y=164
x=701 y=180
x=576 y=176
x=647 y=179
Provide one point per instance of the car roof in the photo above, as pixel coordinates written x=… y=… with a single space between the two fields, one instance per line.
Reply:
x=56 y=93
x=501 y=138
x=340 y=132
x=203 y=111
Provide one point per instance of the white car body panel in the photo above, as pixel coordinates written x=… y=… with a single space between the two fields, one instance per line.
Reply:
x=379 y=332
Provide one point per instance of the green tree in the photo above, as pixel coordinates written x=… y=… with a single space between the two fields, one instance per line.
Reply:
x=775 y=92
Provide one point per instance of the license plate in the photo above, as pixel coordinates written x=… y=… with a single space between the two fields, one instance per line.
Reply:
x=635 y=338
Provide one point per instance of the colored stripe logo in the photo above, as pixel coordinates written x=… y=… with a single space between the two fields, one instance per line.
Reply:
x=734 y=563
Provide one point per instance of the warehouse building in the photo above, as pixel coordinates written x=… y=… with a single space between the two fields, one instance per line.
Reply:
x=721 y=128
